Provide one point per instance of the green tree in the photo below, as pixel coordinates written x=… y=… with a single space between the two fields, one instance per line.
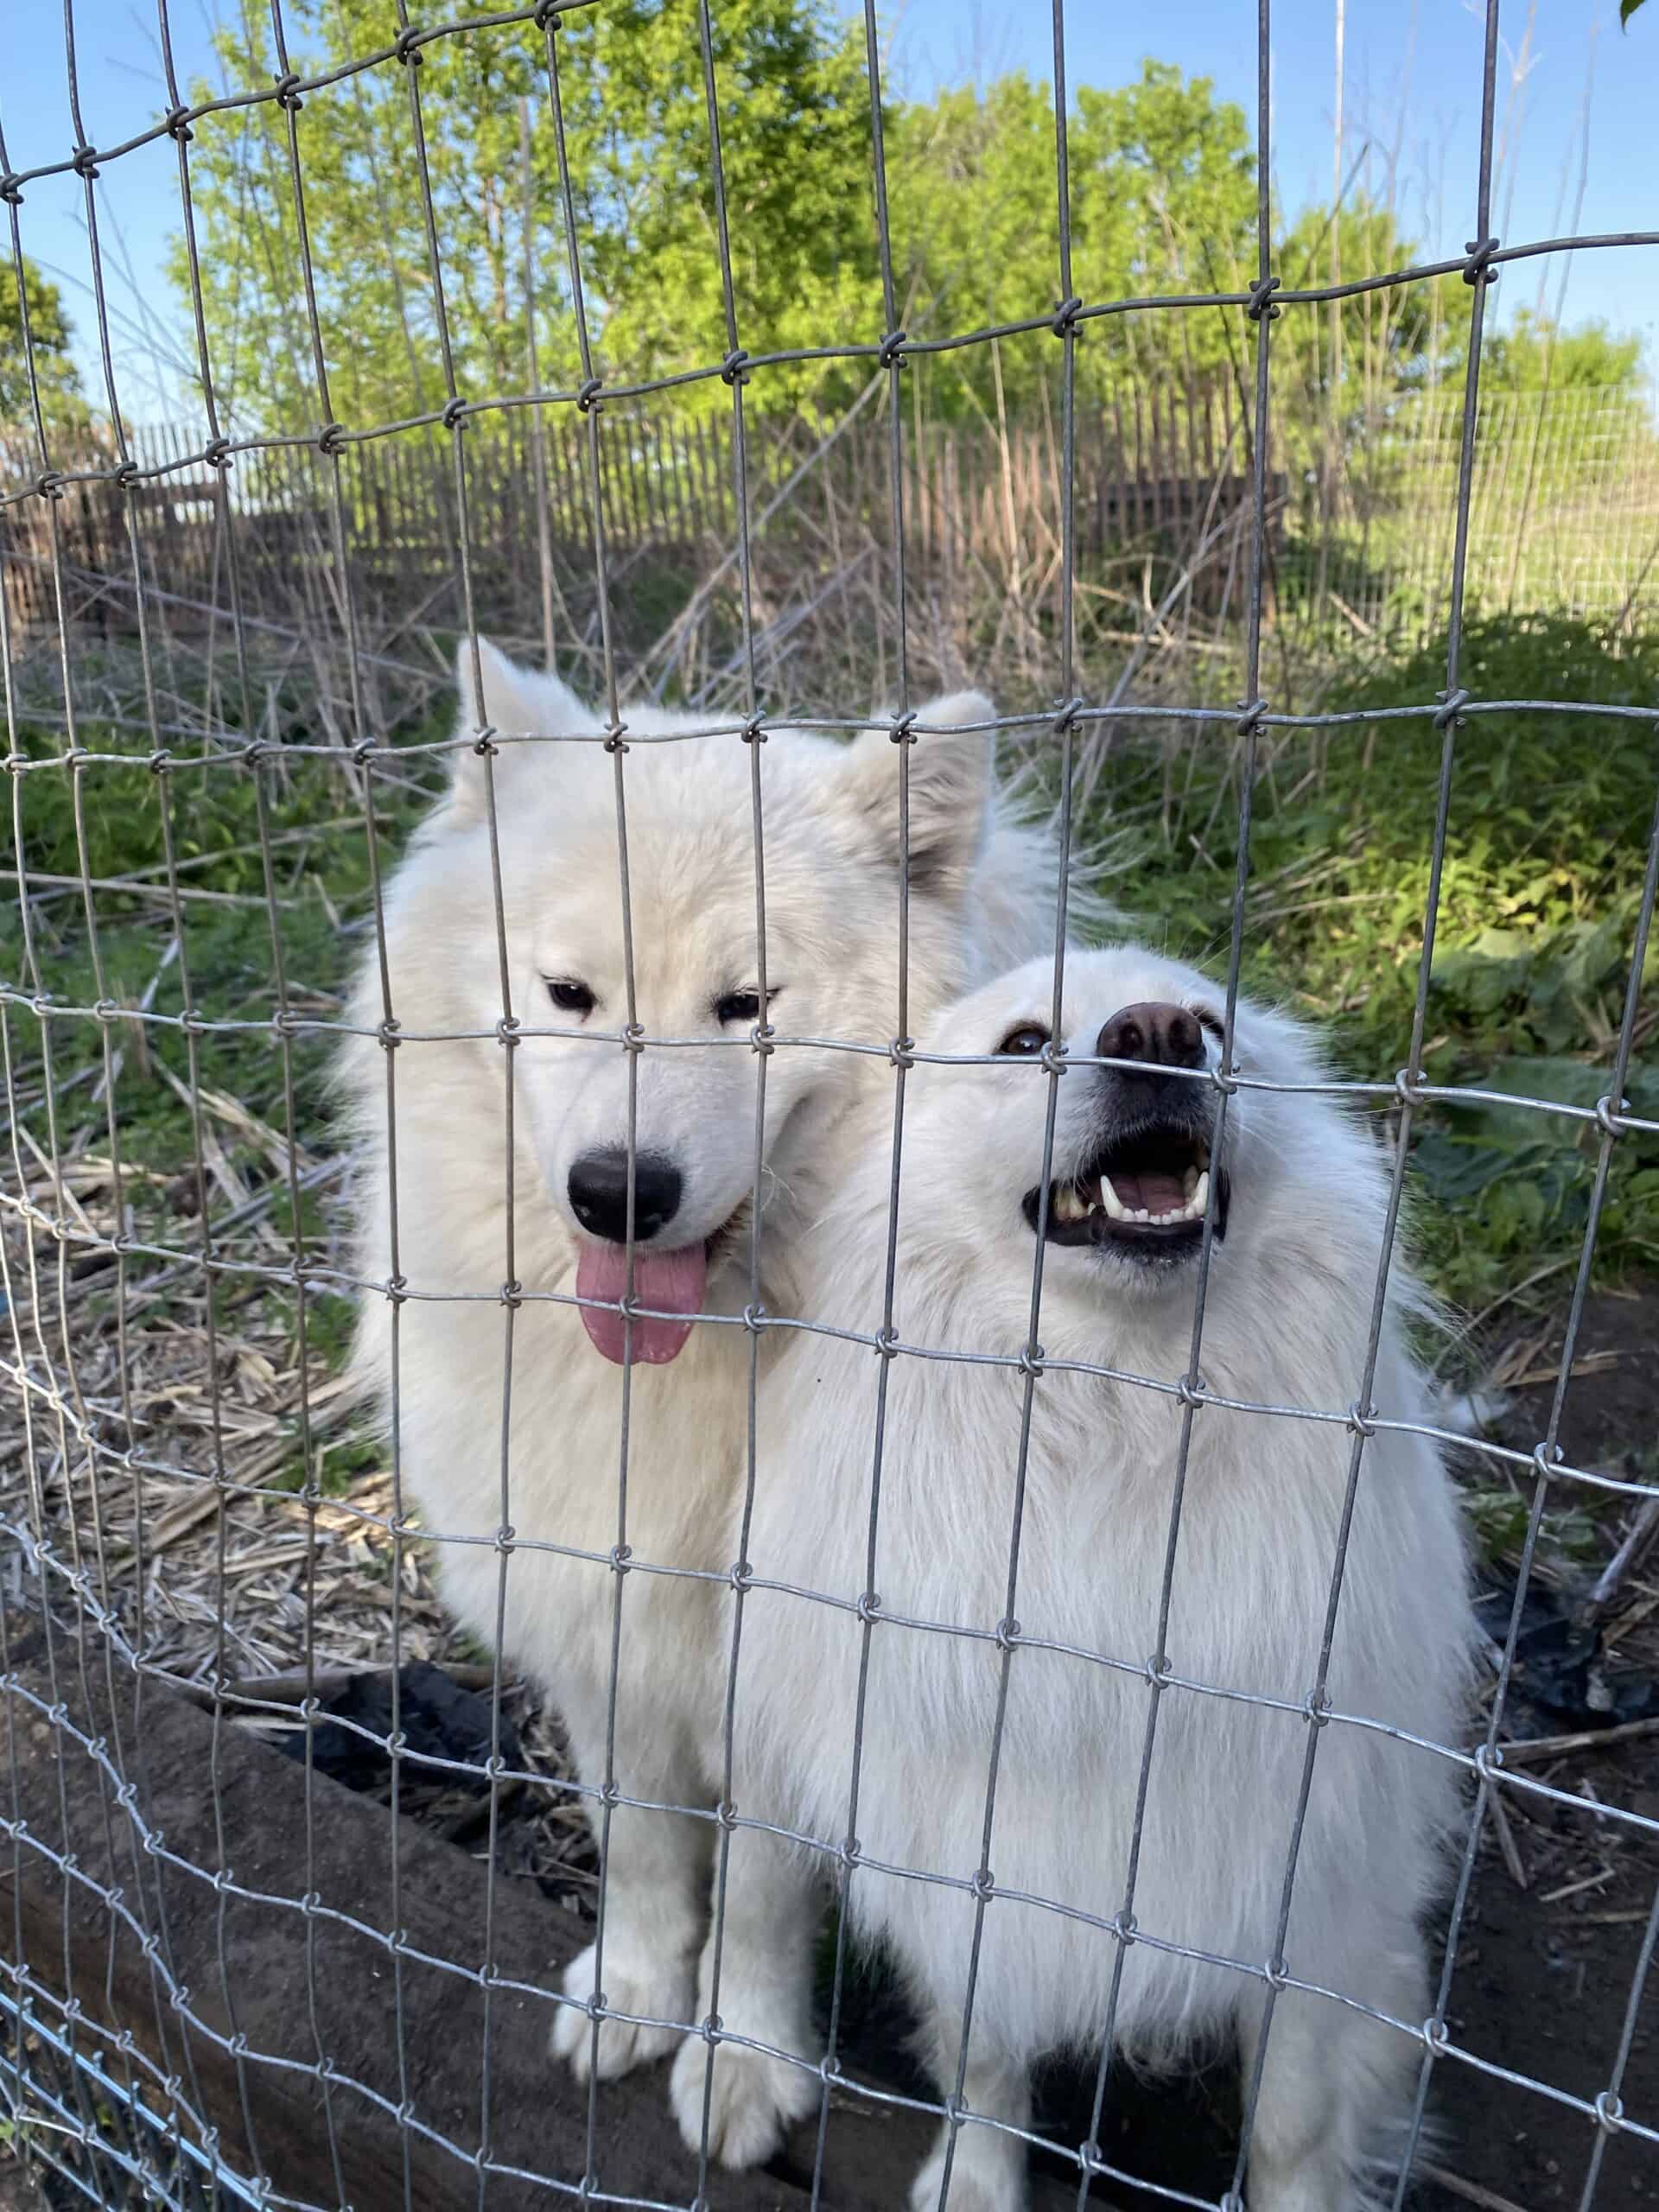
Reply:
x=796 y=137
x=1536 y=354
x=1163 y=200
x=51 y=336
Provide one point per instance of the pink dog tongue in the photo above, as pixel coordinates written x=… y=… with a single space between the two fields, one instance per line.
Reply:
x=672 y=1282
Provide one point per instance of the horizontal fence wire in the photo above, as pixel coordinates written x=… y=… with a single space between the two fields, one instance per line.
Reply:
x=150 y=534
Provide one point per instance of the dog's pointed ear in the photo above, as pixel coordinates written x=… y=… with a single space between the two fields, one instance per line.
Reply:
x=950 y=784
x=511 y=701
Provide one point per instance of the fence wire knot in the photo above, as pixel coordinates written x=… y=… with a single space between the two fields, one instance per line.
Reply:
x=1449 y=713
x=1478 y=268
x=1031 y=1360
x=407 y=46
x=84 y=161
x=1260 y=300
x=1609 y=1117
x=587 y=396
x=1407 y=1087
x=287 y=94
x=1250 y=712
x=1609 y=2112
x=1362 y=1421
x=1064 y=321
x=455 y=410
x=11 y=190
x=217 y=453
x=733 y=370
x=753 y=731
x=891 y=352
x=177 y=123
x=868 y=1608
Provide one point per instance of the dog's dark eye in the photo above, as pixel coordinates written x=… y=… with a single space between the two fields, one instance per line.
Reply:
x=570 y=996
x=740 y=1006
x=1024 y=1043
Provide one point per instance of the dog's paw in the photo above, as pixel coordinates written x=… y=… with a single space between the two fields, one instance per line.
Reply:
x=753 y=2101
x=986 y=2174
x=655 y=1994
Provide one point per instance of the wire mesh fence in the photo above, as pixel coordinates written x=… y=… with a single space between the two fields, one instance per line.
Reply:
x=221 y=1988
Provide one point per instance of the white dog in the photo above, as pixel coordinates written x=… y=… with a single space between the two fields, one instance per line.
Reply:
x=496 y=1187
x=1298 y=1192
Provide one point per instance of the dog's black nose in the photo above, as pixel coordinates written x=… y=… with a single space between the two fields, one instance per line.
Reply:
x=598 y=1193
x=1163 y=1036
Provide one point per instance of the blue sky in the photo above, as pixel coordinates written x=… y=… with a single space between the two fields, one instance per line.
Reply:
x=1412 y=83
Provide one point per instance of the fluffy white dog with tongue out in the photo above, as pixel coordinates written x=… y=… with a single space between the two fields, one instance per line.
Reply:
x=513 y=1200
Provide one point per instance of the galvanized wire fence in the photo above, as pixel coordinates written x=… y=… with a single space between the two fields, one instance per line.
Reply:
x=166 y=2095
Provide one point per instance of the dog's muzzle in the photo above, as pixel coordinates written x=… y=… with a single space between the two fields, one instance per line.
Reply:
x=1145 y=1185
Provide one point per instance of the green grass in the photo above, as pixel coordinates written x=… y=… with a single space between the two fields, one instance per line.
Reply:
x=312 y=816
x=1544 y=858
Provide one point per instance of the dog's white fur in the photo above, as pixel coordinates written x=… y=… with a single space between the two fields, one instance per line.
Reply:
x=1286 y=1325
x=506 y=1418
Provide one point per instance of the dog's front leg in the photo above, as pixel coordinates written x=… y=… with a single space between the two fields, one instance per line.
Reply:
x=655 y=1870
x=757 y=1975
x=1334 y=2084
x=980 y=2165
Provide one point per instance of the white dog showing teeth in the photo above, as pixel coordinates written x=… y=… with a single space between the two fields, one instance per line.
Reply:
x=1270 y=1511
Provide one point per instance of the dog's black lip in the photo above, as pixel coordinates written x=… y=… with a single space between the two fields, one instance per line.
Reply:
x=1148 y=1240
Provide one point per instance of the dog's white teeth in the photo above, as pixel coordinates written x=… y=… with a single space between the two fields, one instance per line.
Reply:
x=1115 y=1206
x=1068 y=1206
x=1200 y=1195
x=1190 y=1183
x=1139 y=1214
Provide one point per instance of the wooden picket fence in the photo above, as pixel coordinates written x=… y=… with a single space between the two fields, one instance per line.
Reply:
x=1566 y=514
x=1150 y=471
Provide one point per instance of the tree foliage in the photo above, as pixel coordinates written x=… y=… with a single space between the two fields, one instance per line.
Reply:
x=796 y=153
x=50 y=338
x=1536 y=354
x=1162 y=203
